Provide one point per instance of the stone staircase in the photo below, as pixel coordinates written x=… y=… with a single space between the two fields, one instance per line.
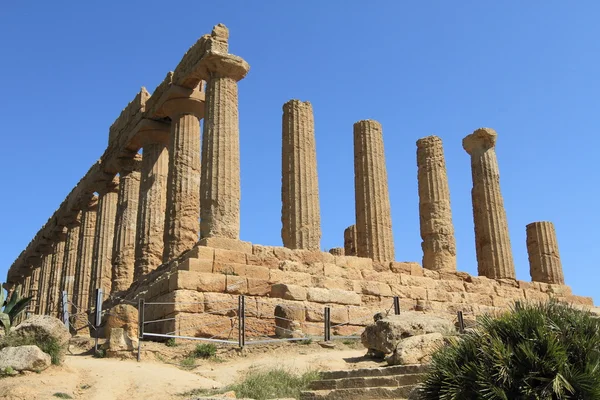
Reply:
x=361 y=384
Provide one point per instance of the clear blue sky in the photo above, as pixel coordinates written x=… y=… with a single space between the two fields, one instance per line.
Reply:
x=527 y=69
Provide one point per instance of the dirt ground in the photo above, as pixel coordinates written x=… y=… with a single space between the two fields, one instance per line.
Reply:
x=160 y=375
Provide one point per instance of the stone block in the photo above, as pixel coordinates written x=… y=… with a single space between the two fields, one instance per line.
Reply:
x=410 y=280
x=431 y=274
x=285 y=254
x=534 y=295
x=454 y=276
x=450 y=286
x=257 y=272
x=438 y=295
x=229 y=268
x=202 y=252
x=559 y=290
x=309 y=257
x=353 y=262
x=484 y=299
x=227 y=244
x=296 y=266
x=211 y=283
x=337 y=296
x=372 y=288
x=229 y=257
x=409 y=292
x=480 y=284
x=331 y=283
x=267 y=261
x=258 y=287
x=197 y=265
x=509 y=292
x=508 y=282
x=294 y=278
x=236 y=284
x=289 y=292
x=334 y=271
x=387 y=277
x=207 y=325
x=181 y=280
x=266 y=251
x=401 y=267
x=221 y=304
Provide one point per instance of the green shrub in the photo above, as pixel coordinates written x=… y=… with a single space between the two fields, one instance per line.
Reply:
x=544 y=351
x=12 y=307
x=205 y=350
x=62 y=395
x=306 y=341
x=100 y=353
x=275 y=383
x=188 y=363
x=171 y=343
x=48 y=345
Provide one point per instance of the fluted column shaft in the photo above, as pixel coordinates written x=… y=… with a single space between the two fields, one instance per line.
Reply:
x=85 y=252
x=70 y=264
x=34 y=290
x=492 y=241
x=152 y=206
x=104 y=240
x=182 y=223
x=123 y=259
x=435 y=215
x=58 y=257
x=544 y=257
x=350 y=240
x=221 y=193
x=43 y=287
x=373 y=212
x=26 y=286
x=300 y=214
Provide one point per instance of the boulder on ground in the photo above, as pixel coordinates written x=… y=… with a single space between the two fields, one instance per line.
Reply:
x=416 y=349
x=384 y=335
x=123 y=316
x=118 y=342
x=40 y=330
x=24 y=358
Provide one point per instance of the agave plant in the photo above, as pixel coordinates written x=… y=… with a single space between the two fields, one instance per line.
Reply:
x=12 y=307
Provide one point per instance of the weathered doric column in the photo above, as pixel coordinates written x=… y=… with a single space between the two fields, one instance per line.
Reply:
x=337 y=251
x=104 y=240
x=492 y=242
x=152 y=206
x=26 y=286
x=300 y=214
x=373 y=213
x=437 y=230
x=220 y=194
x=123 y=259
x=34 y=290
x=58 y=258
x=350 y=240
x=83 y=272
x=544 y=258
x=182 y=223
x=44 y=281
x=70 y=265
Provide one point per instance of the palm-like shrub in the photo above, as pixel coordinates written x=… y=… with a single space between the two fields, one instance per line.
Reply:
x=538 y=352
x=12 y=307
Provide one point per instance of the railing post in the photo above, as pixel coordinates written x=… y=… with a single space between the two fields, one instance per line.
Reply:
x=396 y=305
x=65 y=309
x=327 y=333
x=97 y=316
x=242 y=321
x=140 y=327
x=461 y=322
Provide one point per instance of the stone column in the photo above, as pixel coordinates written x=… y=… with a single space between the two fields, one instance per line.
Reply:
x=42 y=299
x=437 y=230
x=300 y=213
x=83 y=271
x=492 y=242
x=58 y=258
x=152 y=206
x=182 y=223
x=123 y=259
x=104 y=240
x=220 y=194
x=26 y=286
x=350 y=240
x=373 y=213
x=337 y=251
x=544 y=258
x=34 y=290
x=70 y=265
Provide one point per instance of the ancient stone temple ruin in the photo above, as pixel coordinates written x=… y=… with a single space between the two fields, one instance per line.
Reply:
x=158 y=217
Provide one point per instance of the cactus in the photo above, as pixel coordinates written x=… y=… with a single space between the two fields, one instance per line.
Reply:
x=12 y=307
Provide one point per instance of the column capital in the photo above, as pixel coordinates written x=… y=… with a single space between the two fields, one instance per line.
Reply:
x=75 y=221
x=290 y=104
x=109 y=186
x=429 y=141
x=220 y=65
x=60 y=234
x=481 y=139
x=367 y=123
x=184 y=105
x=128 y=165
x=91 y=204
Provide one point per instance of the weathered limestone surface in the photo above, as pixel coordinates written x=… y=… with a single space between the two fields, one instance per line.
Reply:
x=373 y=212
x=300 y=214
x=83 y=272
x=220 y=195
x=492 y=242
x=123 y=259
x=337 y=251
x=152 y=206
x=544 y=258
x=70 y=263
x=104 y=238
x=350 y=240
x=43 y=288
x=33 y=290
x=183 y=185
x=58 y=257
x=437 y=230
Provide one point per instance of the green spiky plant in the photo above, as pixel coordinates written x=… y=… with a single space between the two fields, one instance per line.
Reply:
x=12 y=307
x=535 y=351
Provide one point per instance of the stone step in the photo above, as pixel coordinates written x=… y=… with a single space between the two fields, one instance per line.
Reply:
x=401 y=392
x=370 y=372
x=366 y=382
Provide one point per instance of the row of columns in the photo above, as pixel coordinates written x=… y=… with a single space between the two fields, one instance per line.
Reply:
x=150 y=213
x=371 y=236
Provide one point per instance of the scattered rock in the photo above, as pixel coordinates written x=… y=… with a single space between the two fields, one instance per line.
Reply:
x=24 y=358
x=327 y=345
x=118 y=341
x=123 y=316
x=40 y=329
x=385 y=334
x=416 y=349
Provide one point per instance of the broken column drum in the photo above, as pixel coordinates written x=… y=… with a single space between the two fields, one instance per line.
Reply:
x=544 y=257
